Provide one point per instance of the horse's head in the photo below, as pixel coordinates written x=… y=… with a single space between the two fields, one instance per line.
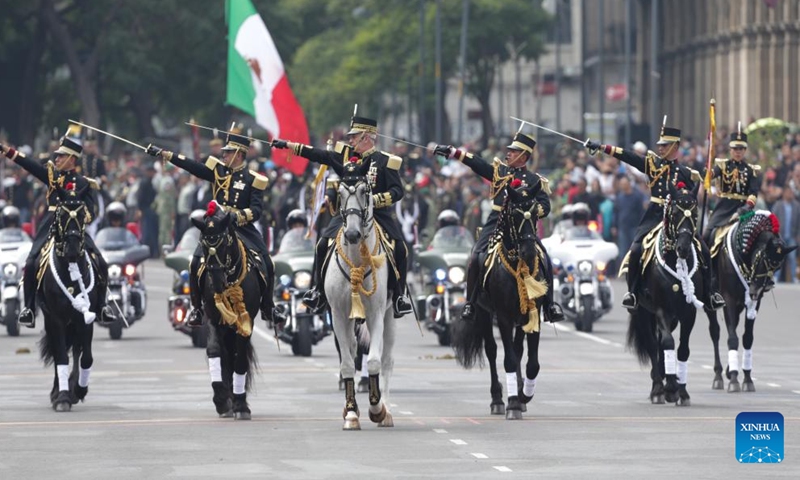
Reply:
x=355 y=202
x=70 y=222
x=522 y=215
x=768 y=256
x=218 y=241
x=680 y=218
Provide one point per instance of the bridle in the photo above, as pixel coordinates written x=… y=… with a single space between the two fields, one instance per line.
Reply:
x=686 y=221
x=350 y=186
x=73 y=227
x=217 y=245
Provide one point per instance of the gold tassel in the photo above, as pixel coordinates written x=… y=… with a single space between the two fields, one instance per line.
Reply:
x=357 y=307
x=534 y=289
x=232 y=311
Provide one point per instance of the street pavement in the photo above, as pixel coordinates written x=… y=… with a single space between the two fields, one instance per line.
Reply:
x=149 y=412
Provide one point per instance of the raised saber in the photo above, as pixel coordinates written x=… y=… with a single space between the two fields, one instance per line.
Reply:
x=582 y=142
x=109 y=134
x=225 y=131
x=402 y=141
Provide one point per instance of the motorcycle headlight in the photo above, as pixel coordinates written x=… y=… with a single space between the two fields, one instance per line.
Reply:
x=302 y=280
x=9 y=270
x=601 y=266
x=439 y=274
x=585 y=267
x=456 y=275
x=114 y=271
x=130 y=270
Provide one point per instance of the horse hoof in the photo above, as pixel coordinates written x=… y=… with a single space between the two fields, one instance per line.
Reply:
x=523 y=408
x=657 y=399
x=684 y=402
x=734 y=387
x=363 y=385
x=748 y=387
x=498 y=408
x=718 y=384
x=387 y=421
x=79 y=394
x=377 y=417
x=242 y=416
x=62 y=406
x=513 y=414
x=671 y=397
x=351 y=421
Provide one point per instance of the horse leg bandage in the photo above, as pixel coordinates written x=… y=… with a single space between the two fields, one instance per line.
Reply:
x=83 y=376
x=63 y=377
x=733 y=360
x=239 y=380
x=683 y=372
x=669 y=362
x=529 y=387
x=747 y=360
x=511 y=384
x=215 y=369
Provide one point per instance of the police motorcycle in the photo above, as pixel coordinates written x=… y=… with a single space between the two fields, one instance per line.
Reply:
x=293 y=266
x=178 y=259
x=442 y=270
x=580 y=259
x=15 y=245
x=127 y=295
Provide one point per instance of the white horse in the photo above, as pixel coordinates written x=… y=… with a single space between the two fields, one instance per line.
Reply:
x=356 y=287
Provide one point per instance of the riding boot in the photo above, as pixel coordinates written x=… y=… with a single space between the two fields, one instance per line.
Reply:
x=269 y=312
x=629 y=301
x=554 y=311
x=107 y=316
x=402 y=304
x=713 y=300
x=195 y=317
x=315 y=299
x=473 y=281
x=27 y=316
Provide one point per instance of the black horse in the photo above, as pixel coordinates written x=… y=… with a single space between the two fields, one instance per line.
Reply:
x=749 y=253
x=69 y=298
x=672 y=284
x=515 y=288
x=231 y=299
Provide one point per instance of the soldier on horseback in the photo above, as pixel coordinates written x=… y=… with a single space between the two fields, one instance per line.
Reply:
x=661 y=170
x=241 y=191
x=387 y=188
x=501 y=175
x=738 y=186
x=58 y=173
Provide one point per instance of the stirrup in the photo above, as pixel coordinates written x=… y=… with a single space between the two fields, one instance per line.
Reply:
x=717 y=301
x=402 y=306
x=555 y=313
x=27 y=318
x=195 y=318
x=468 y=312
x=314 y=300
x=629 y=301
x=106 y=316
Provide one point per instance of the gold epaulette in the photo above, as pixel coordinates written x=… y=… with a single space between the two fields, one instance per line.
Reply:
x=498 y=181
x=394 y=162
x=93 y=184
x=212 y=162
x=756 y=169
x=696 y=177
x=545 y=184
x=260 y=182
x=720 y=160
x=342 y=148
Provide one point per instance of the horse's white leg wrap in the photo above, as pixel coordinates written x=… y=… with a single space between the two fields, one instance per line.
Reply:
x=683 y=372
x=747 y=360
x=511 y=384
x=215 y=369
x=83 y=376
x=364 y=366
x=529 y=387
x=63 y=377
x=239 y=382
x=733 y=360
x=669 y=362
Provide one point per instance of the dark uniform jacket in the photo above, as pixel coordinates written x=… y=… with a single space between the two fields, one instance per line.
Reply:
x=52 y=178
x=240 y=190
x=501 y=176
x=384 y=179
x=659 y=172
x=737 y=182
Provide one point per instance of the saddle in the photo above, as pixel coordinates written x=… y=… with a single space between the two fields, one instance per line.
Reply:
x=649 y=246
x=43 y=263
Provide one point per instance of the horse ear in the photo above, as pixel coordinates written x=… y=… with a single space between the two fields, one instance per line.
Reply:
x=199 y=224
x=788 y=250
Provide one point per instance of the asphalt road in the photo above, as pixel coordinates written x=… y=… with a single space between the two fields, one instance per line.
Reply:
x=149 y=412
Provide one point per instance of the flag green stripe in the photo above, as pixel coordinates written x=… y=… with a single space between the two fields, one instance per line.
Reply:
x=240 y=91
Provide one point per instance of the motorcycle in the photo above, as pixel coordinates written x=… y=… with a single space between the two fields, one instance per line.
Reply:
x=15 y=245
x=580 y=280
x=127 y=295
x=293 y=266
x=179 y=303
x=443 y=270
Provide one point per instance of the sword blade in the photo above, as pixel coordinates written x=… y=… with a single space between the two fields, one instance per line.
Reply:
x=225 y=131
x=401 y=141
x=109 y=134
x=549 y=130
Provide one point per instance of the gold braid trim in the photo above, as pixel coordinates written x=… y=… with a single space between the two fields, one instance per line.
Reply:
x=220 y=183
x=230 y=303
x=368 y=260
x=655 y=173
x=499 y=182
x=528 y=289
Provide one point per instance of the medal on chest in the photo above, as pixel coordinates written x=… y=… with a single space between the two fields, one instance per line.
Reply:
x=372 y=175
x=238 y=185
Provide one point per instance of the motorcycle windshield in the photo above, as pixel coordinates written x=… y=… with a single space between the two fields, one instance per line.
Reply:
x=295 y=241
x=452 y=237
x=115 y=238
x=581 y=233
x=13 y=235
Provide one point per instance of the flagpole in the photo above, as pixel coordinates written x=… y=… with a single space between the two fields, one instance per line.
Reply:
x=712 y=132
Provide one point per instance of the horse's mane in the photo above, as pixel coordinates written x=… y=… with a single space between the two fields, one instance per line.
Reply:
x=751 y=225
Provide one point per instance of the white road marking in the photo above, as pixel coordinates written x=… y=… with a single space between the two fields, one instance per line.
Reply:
x=585 y=335
x=773 y=385
x=393 y=405
x=442 y=430
x=406 y=412
x=458 y=441
x=502 y=468
x=479 y=455
x=796 y=391
x=707 y=367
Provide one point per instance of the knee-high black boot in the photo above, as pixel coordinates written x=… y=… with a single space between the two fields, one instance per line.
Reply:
x=27 y=316
x=315 y=299
x=630 y=301
x=473 y=280
x=554 y=311
x=713 y=300
x=402 y=305
x=195 y=317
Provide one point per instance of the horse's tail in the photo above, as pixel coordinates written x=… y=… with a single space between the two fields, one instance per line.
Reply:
x=467 y=340
x=641 y=335
x=47 y=344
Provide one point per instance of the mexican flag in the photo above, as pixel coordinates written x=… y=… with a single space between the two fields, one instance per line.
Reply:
x=257 y=82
